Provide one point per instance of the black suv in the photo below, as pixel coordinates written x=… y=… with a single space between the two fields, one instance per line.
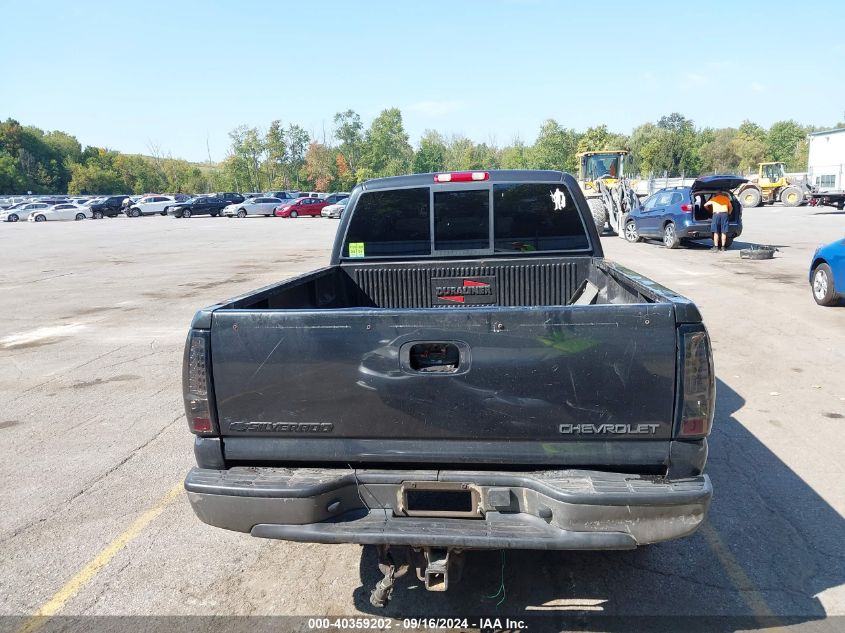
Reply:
x=282 y=195
x=110 y=206
x=230 y=197
x=335 y=198
x=201 y=205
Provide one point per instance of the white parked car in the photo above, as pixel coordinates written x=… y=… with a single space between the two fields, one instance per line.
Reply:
x=64 y=211
x=22 y=211
x=9 y=202
x=253 y=206
x=334 y=210
x=150 y=205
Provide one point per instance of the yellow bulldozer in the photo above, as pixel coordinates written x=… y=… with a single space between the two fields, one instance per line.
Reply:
x=609 y=193
x=769 y=186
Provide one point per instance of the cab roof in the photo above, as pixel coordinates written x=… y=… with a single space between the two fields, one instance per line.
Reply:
x=495 y=175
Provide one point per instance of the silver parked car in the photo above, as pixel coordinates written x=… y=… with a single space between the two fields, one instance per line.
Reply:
x=253 y=206
x=334 y=210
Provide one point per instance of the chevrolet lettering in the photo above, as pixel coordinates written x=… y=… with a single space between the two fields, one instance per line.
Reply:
x=620 y=429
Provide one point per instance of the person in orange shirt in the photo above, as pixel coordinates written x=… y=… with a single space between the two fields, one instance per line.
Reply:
x=720 y=206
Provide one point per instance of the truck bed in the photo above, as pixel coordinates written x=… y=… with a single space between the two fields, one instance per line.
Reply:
x=539 y=282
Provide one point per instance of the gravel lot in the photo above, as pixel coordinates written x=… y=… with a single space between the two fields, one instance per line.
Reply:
x=93 y=438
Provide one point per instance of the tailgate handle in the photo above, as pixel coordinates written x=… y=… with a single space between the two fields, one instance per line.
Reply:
x=435 y=357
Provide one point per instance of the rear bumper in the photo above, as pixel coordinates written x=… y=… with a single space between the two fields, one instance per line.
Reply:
x=702 y=231
x=553 y=510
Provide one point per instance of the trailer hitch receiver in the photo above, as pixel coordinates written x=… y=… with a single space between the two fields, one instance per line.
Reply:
x=438 y=566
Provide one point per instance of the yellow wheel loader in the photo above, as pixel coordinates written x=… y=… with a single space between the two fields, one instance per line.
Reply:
x=609 y=193
x=771 y=185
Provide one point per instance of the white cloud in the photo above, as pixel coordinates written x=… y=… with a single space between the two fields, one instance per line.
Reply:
x=757 y=87
x=435 y=108
x=693 y=80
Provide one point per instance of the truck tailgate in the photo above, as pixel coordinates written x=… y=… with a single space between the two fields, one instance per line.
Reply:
x=582 y=385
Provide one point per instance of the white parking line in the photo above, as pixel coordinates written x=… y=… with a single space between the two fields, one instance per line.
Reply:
x=39 y=334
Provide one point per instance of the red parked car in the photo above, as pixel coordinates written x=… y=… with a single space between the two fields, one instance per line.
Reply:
x=301 y=206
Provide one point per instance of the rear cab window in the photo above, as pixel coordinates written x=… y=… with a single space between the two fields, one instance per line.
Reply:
x=465 y=219
x=390 y=223
x=461 y=220
x=525 y=222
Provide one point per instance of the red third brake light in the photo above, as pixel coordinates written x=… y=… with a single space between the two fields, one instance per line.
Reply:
x=462 y=176
x=686 y=208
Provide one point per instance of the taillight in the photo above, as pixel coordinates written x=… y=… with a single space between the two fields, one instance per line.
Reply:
x=462 y=176
x=196 y=384
x=686 y=208
x=697 y=385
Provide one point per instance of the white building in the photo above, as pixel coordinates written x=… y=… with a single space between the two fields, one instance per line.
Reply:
x=826 y=164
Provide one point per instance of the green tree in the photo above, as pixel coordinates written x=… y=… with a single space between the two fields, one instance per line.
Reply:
x=386 y=149
x=249 y=150
x=276 y=147
x=555 y=148
x=676 y=145
x=598 y=138
x=94 y=178
x=350 y=132
x=644 y=146
x=11 y=180
x=40 y=163
x=484 y=156
x=801 y=157
x=297 y=142
x=514 y=156
x=459 y=153
x=138 y=173
x=194 y=181
x=750 y=146
x=718 y=152
x=64 y=145
x=431 y=156
x=782 y=142
x=234 y=174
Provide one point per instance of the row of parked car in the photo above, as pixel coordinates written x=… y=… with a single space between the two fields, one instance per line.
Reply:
x=285 y=204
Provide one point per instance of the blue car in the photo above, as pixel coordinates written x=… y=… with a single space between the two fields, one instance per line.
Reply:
x=827 y=273
x=675 y=215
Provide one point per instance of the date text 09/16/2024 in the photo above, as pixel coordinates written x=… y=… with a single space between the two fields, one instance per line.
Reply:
x=413 y=624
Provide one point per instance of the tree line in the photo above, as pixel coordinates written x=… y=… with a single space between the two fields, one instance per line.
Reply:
x=288 y=157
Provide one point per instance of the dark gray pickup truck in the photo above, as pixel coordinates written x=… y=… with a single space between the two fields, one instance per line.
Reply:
x=468 y=372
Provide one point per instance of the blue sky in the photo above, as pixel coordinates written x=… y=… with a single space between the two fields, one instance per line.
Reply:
x=179 y=75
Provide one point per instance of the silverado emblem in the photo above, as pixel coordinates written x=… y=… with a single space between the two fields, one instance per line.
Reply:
x=463 y=290
x=282 y=427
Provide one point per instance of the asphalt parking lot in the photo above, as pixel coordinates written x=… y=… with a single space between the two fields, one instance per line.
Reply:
x=95 y=444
